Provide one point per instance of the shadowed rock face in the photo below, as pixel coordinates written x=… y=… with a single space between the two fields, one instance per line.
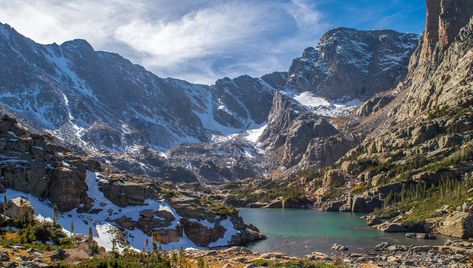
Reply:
x=36 y=164
x=349 y=63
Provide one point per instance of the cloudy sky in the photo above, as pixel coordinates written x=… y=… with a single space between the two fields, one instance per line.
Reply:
x=203 y=40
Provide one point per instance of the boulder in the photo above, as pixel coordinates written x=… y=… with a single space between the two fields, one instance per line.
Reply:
x=127 y=194
x=165 y=215
x=68 y=188
x=127 y=223
x=390 y=227
x=4 y=256
x=448 y=141
x=458 y=224
x=58 y=255
x=318 y=256
x=238 y=250
x=190 y=207
x=382 y=246
x=366 y=204
x=148 y=225
x=200 y=234
x=166 y=236
x=147 y=213
x=256 y=205
x=272 y=255
x=411 y=235
x=338 y=247
x=19 y=209
x=373 y=220
x=423 y=133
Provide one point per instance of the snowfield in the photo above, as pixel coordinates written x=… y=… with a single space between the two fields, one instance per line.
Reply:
x=323 y=107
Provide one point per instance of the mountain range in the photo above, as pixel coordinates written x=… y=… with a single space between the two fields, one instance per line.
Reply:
x=118 y=111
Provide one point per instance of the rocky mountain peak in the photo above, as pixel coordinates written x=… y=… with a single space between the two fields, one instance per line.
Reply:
x=344 y=62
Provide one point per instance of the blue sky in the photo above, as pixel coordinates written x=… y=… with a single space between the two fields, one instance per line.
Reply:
x=203 y=40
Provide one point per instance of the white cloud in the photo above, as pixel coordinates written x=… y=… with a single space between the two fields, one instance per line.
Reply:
x=199 y=33
x=199 y=40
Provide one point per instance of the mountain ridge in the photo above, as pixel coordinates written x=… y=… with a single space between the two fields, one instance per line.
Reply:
x=104 y=103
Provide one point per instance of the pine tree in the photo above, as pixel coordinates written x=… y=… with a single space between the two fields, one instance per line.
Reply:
x=90 y=236
x=55 y=215
x=72 y=229
x=5 y=204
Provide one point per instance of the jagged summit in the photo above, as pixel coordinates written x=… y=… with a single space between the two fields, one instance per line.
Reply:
x=345 y=61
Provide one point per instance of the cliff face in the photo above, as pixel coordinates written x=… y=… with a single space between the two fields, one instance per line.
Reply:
x=440 y=69
x=423 y=136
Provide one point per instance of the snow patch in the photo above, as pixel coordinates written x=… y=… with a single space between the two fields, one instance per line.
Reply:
x=253 y=135
x=307 y=99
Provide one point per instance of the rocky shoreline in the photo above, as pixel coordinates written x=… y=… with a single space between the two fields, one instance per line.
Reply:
x=454 y=253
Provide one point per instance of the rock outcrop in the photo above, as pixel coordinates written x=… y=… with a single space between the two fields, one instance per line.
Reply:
x=458 y=224
x=293 y=130
x=37 y=164
x=18 y=209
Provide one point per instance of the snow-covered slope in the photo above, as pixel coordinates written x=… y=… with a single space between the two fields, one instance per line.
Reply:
x=103 y=101
x=102 y=217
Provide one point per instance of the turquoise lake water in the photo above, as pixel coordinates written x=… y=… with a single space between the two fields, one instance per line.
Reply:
x=299 y=232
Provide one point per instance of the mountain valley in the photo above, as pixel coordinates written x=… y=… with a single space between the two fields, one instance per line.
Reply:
x=101 y=151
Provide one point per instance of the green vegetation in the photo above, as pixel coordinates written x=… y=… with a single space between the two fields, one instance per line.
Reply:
x=292 y=264
x=35 y=234
x=456 y=158
x=130 y=259
x=423 y=200
x=220 y=208
x=223 y=210
x=169 y=192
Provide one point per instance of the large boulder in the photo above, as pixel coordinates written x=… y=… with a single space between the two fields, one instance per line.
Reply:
x=127 y=193
x=366 y=204
x=458 y=224
x=390 y=227
x=166 y=236
x=201 y=234
x=19 y=209
x=68 y=188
